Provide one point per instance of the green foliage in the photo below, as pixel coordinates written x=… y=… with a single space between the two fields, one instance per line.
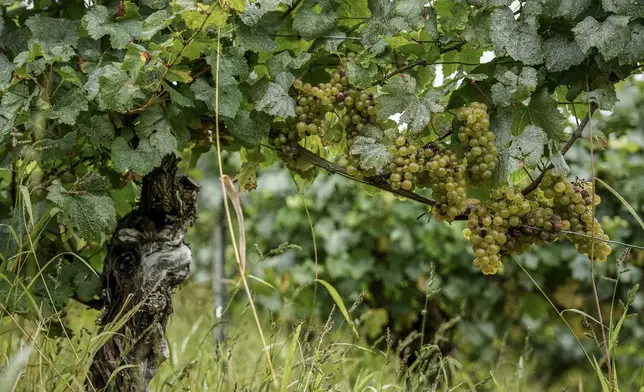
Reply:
x=85 y=207
x=93 y=96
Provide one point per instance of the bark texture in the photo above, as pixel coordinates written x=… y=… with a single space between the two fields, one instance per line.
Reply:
x=147 y=258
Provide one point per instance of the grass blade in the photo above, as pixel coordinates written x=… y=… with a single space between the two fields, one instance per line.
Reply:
x=628 y=206
x=27 y=201
x=338 y=301
x=11 y=374
x=290 y=358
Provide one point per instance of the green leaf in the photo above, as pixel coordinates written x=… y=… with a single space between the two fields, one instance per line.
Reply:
x=255 y=10
x=68 y=105
x=98 y=23
x=490 y=3
x=15 y=100
x=230 y=96
x=338 y=301
x=68 y=74
x=283 y=62
x=608 y=37
x=605 y=97
x=155 y=4
x=542 y=111
x=113 y=89
x=519 y=40
x=373 y=153
x=100 y=131
x=290 y=358
x=154 y=23
x=401 y=98
x=561 y=54
x=152 y=125
x=256 y=39
x=560 y=167
x=311 y=24
x=6 y=72
x=275 y=99
x=177 y=97
x=52 y=32
x=249 y=128
x=231 y=63
x=361 y=73
x=85 y=207
x=141 y=160
x=529 y=145
x=512 y=85
x=634 y=51
x=634 y=8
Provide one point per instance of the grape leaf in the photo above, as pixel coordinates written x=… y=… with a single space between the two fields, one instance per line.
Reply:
x=283 y=62
x=69 y=75
x=512 y=85
x=255 y=10
x=373 y=153
x=97 y=22
x=529 y=145
x=152 y=125
x=249 y=128
x=52 y=32
x=6 y=72
x=156 y=4
x=15 y=100
x=275 y=99
x=361 y=73
x=311 y=24
x=230 y=96
x=99 y=131
x=561 y=53
x=608 y=37
x=401 y=98
x=634 y=51
x=542 y=112
x=560 y=167
x=68 y=105
x=605 y=97
x=85 y=207
x=634 y=8
x=519 y=40
x=153 y=24
x=177 y=97
x=257 y=38
x=141 y=160
x=113 y=89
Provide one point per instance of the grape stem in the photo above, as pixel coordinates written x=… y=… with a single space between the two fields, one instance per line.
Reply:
x=573 y=138
x=332 y=168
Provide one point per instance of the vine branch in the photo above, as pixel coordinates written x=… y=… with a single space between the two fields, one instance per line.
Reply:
x=573 y=138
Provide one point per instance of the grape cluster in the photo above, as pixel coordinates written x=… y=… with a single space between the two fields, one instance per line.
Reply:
x=313 y=103
x=574 y=202
x=360 y=110
x=408 y=162
x=495 y=227
x=510 y=223
x=444 y=175
x=478 y=141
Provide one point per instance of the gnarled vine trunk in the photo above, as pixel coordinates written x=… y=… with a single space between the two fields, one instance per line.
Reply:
x=147 y=258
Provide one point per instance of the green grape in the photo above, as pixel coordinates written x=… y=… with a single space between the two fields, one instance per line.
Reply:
x=480 y=152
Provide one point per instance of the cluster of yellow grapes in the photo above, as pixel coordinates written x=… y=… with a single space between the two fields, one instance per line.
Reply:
x=408 y=162
x=446 y=178
x=574 y=202
x=313 y=103
x=510 y=223
x=478 y=141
